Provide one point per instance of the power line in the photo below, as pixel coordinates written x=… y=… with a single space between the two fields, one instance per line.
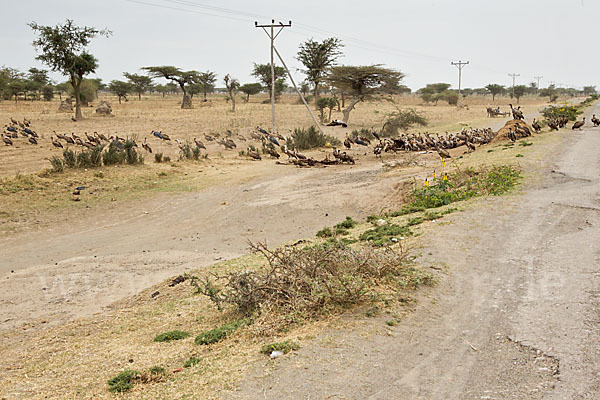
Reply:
x=460 y=65
x=513 y=85
x=272 y=35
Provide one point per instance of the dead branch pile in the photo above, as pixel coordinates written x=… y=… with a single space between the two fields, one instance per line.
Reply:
x=300 y=283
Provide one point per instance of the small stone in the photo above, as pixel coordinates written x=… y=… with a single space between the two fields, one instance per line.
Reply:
x=381 y=222
x=276 y=354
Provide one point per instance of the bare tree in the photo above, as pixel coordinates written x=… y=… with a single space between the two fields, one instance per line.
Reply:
x=232 y=85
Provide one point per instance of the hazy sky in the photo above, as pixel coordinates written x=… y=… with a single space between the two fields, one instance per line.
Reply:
x=556 y=39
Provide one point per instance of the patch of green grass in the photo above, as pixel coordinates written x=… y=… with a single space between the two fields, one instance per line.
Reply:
x=171 y=335
x=525 y=143
x=284 y=347
x=124 y=381
x=325 y=232
x=519 y=155
x=391 y=322
x=191 y=362
x=157 y=370
x=348 y=223
x=382 y=235
x=220 y=333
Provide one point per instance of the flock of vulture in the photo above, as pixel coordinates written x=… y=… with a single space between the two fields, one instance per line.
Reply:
x=19 y=130
x=274 y=144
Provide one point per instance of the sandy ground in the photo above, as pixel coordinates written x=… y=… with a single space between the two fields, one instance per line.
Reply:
x=79 y=267
x=516 y=317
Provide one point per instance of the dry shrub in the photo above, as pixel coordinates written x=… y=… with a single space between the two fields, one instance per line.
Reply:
x=303 y=283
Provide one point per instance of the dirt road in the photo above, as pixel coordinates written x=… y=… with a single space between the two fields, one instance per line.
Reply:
x=516 y=317
x=78 y=267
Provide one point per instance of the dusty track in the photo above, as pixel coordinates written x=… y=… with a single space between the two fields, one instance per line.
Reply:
x=516 y=317
x=79 y=267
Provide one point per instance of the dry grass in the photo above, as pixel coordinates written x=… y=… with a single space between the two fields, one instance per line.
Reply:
x=76 y=360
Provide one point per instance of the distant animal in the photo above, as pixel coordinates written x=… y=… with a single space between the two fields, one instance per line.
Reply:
x=375 y=135
x=7 y=141
x=101 y=136
x=261 y=130
x=56 y=143
x=273 y=140
x=11 y=129
x=511 y=135
x=14 y=121
x=535 y=125
x=157 y=134
x=32 y=140
x=337 y=122
x=578 y=124
x=595 y=120
x=553 y=125
x=253 y=154
x=347 y=143
x=208 y=138
x=443 y=153
x=199 y=144
x=299 y=156
x=146 y=146
x=360 y=141
x=165 y=137
x=516 y=112
x=470 y=146
x=271 y=151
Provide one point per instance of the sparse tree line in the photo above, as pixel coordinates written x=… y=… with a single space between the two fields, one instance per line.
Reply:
x=63 y=48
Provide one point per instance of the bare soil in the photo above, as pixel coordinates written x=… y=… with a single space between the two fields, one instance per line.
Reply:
x=515 y=317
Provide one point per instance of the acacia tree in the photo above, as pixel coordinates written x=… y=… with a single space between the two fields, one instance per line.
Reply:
x=519 y=91
x=549 y=92
x=120 y=88
x=206 y=81
x=139 y=83
x=174 y=74
x=232 y=85
x=250 y=89
x=263 y=73
x=364 y=82
x=63 y=49
x=317 y=58
x=494 y=90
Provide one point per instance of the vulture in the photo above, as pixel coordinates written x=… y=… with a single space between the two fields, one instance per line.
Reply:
x=347 y=143
x=261 y=130
x=165 y=136
x=253 y=154
x=272 y=152
x=146 y=146
x=273 y=140
x=552 y=125
x=535 y=125
x=595 y=120
x=14 y=121
x=32 y=140
x=578 y=124
x=360 y=141
x=56 y=143
x=208 y=138
x=157 y=134
x=7 y=141
x=516 y=112
x=11 y=129
x=199 y=144
x=375 y=135
x=470 y=146
x=443 y=153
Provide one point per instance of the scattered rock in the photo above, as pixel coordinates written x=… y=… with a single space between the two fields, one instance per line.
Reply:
x=104 y=108
x=276 y=354
x=66 y=106
x=381 y=222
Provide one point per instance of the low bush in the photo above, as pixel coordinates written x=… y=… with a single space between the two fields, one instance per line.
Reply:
x=158 y=157
x=191 y=362
x=285 y=347
x=57 y=164
x=220 y=333
x=304 y=139
x=171 y=335
x=124 y=381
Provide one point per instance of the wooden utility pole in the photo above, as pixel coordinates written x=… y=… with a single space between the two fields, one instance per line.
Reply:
x=272 y=35
x=513 y=86
x=538 y=81
x=460 y=66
